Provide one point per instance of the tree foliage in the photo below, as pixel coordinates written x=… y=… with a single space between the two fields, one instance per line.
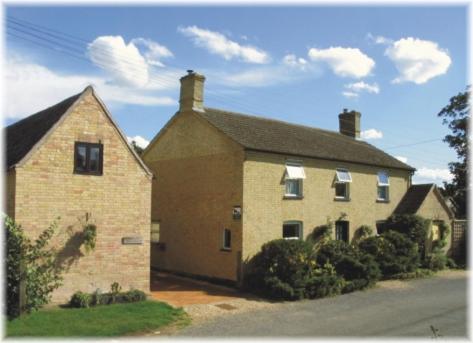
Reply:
x=456 y=115
x=139 y=150
x=31 y=263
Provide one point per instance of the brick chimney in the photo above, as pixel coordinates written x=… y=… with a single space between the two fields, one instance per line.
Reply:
x=192 y=92
x=349 y=123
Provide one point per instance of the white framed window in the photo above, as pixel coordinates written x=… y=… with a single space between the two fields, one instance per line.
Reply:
x=342 y=184
x=292 y=230
x=383 y=186
x=227 y=239
x=293 y=179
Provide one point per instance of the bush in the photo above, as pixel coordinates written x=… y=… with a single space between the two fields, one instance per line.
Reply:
x=358 y=268
x=281 y=269
x=362 y=232
x=418 y=273
x=436 y=261
x=413 y=226
x=324 y=282
x=31 y=263
x=80 y=299
x=393 y=251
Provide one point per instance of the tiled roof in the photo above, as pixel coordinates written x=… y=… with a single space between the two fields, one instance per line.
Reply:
x=22 y=136
x=256 y=133
x=413 y=199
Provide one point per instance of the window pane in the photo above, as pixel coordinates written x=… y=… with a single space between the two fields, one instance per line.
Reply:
x=383 y=192
x=291 y=231
x=81 y=162
x=227 y=239
x=94 y=163
x=292 y=187
x=341 y=231
x=341 y=190
x=383 y=179
x=343 y=175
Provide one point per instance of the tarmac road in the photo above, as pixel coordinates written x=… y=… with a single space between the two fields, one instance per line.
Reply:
x=392 y=309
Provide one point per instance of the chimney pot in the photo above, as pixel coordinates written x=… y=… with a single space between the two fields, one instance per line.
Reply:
x=192 y=92
x=349 y=123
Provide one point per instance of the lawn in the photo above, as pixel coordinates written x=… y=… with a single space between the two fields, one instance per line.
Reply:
x=100 y=321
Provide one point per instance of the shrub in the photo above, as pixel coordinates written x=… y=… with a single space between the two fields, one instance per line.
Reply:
x=32 y=263
x=362 y=232
x=393 y=251
x=413 y=226
x=324 y=282
x=80 y=299
x=358 y=268
x=281 y=269
x=436 y=261
x=418 y=273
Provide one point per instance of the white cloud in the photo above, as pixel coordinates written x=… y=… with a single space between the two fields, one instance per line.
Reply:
x=155 y=51
x=31 y=87
x=418 y=60
x=434 y=174
x=295 y=62
x=371 y=134
x=140 y=141
x=218 y=44
x=349 y=94
x=379 y=39
x=345 y=62
x=401 y=158
x=361 y=86
x=122 y=61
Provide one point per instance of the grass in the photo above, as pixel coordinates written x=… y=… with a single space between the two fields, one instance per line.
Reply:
x=100 y=321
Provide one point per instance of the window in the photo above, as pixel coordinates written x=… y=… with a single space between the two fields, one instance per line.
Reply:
x=292 y=230
x=293 y=180
x=383 y=186
x=155 y=232
x=380 y=226
x=88 y=158
x=342 y=184
x=227 y=239
x=341 y=230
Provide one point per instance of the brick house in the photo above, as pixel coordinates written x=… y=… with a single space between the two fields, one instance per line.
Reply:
x=71 y=160
x=226 y=183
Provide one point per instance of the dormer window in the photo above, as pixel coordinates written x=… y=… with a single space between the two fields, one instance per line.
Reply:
x=342 y=184
x=88 y=158
x=293 y=180
x=383 y=186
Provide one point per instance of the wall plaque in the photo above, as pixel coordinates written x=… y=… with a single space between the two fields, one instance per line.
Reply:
x=237 y=212
x=132 y=240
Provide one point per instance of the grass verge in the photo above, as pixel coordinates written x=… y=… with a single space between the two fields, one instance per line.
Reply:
x=100 y=321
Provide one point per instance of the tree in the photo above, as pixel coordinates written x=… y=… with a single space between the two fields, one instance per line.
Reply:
x=456 y=115
x=139 y=150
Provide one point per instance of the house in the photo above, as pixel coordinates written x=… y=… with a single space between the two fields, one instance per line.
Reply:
x=226 y=183
x=72 y=161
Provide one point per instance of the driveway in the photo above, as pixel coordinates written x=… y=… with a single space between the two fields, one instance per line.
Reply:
x=392 y=309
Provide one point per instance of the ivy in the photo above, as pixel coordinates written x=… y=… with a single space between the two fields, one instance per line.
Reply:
x=90 y=237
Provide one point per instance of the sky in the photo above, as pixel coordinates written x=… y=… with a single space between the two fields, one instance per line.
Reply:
x=397 y=65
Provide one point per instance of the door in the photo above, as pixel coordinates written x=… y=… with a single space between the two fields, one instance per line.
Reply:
x=341 y=230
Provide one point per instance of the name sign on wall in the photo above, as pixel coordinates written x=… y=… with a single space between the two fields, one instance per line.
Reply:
x=132 y=240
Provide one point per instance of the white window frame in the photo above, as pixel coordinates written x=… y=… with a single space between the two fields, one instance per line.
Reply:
x=383 y=185
x=345 y=182
x=224 y=242
x=294 y=173
x=293 y=222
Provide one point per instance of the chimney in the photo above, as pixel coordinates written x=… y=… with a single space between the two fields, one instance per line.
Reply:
x=350 y=123
x=192 y=92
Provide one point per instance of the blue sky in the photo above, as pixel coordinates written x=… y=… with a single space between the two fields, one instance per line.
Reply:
x=398 y=66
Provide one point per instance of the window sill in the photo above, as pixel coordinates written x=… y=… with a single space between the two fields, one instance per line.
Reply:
x=87 y=173
x=342 y=199
x=293 y=197
x=226 y=249
x=383 y=201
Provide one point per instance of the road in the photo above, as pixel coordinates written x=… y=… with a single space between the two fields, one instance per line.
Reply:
x=392 y=309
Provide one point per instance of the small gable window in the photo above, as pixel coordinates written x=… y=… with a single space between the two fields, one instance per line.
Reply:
x=227 y=239
x=342 y=184
x=88 y=158
x=383 y=186
x=293 y=180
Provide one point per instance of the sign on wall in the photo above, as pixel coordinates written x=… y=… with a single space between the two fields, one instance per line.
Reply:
x=132 y=240
x=236 y=212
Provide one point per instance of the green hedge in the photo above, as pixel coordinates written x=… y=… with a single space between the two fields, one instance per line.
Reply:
x=83 y=300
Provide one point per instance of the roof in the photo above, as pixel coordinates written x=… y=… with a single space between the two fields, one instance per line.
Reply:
x=269 y=135
x=23 y=135
x=413 y=199
x=26 y=134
